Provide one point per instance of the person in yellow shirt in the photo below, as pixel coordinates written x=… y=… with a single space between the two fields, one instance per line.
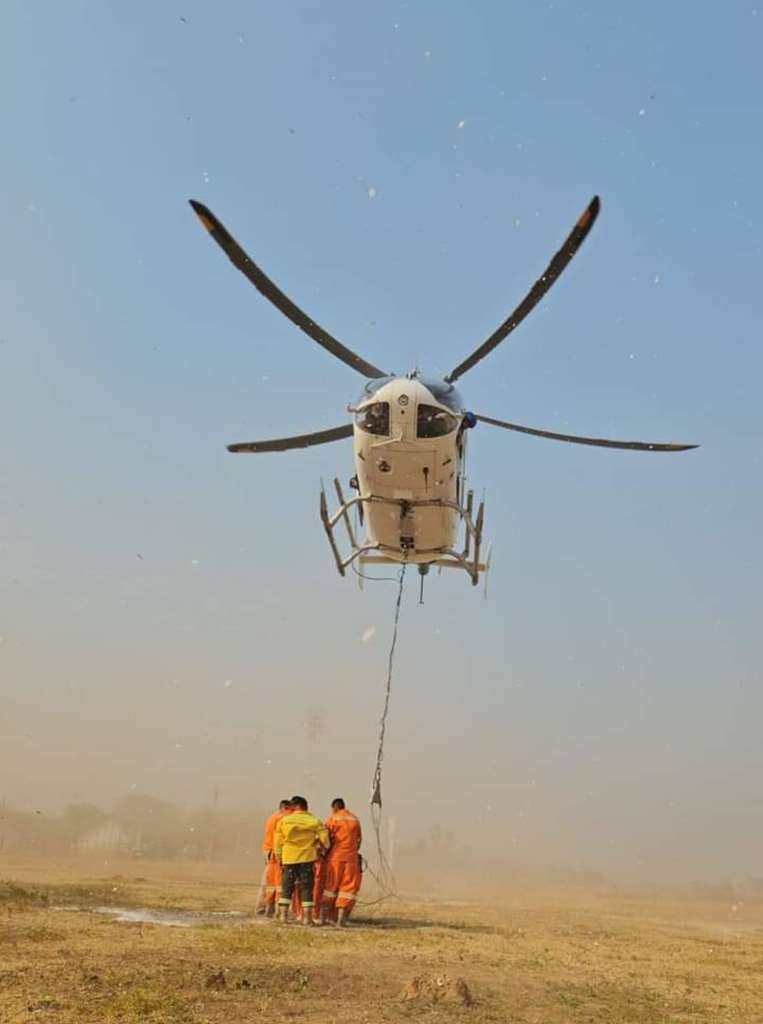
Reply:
x=298 y=841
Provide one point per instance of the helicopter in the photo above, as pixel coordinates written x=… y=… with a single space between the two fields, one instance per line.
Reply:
x=409 y=437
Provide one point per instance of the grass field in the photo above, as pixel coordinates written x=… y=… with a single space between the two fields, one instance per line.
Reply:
x=532 y=956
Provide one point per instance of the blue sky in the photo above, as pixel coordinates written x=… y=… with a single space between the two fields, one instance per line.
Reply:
x=404 y=171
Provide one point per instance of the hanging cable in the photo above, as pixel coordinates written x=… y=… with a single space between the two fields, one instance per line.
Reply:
x=373 y=579
x=385 y=879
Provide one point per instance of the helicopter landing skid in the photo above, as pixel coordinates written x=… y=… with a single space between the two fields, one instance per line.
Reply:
x=468 y=558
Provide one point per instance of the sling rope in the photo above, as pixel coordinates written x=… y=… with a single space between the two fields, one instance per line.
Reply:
x=386 y=878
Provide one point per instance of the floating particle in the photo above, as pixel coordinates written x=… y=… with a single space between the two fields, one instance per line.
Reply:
x=368 y=634
x=371 y=192
x=641 y=112
x=517 y=222
x=656 y=279
x=427 y=54
x=205 y=176
x=228 y=683
x=461 y=124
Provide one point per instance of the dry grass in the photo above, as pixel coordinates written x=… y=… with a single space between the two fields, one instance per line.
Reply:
x=532 y=957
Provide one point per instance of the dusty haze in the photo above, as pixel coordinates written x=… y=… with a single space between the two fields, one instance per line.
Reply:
x=171 y=621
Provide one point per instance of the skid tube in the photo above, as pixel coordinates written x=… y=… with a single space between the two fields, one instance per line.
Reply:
x=467 y=559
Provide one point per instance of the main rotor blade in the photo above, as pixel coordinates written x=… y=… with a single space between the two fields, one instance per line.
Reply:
x=571 y=245
x=283 y=444
x=639 y=446
x=263 y=284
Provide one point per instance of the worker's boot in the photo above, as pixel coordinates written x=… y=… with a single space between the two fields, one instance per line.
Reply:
x=307 y=916
x=283 y=913
x=341 y=917
x=270 y=910
x=323 y=914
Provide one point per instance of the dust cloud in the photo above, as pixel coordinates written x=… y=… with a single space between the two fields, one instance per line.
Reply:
x=114 y=760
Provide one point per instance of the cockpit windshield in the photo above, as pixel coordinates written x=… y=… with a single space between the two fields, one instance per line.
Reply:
x=434 y=422
x=374 y=418
x=444 y=393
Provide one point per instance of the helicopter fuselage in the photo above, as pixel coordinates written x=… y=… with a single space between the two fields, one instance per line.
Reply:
x=409 y=445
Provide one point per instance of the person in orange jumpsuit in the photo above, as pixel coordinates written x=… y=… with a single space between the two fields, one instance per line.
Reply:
x=271 y=882
x=343 y=873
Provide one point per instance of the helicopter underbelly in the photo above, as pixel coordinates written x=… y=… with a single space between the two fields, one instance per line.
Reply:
x=410 y=472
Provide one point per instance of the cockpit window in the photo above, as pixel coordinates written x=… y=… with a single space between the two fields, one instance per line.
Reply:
x=434 y=422
x=444 y=392
x=374 y=418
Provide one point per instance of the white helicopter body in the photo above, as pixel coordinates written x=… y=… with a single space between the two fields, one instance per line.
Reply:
x=409 y=444
x=417 y=458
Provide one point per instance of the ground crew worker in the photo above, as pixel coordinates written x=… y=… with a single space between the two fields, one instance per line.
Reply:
x=271 y=880
x=343 y=864
x=299 y=839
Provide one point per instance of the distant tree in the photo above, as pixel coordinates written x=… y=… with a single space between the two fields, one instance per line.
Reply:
x=156 y=828
x=77 y=819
